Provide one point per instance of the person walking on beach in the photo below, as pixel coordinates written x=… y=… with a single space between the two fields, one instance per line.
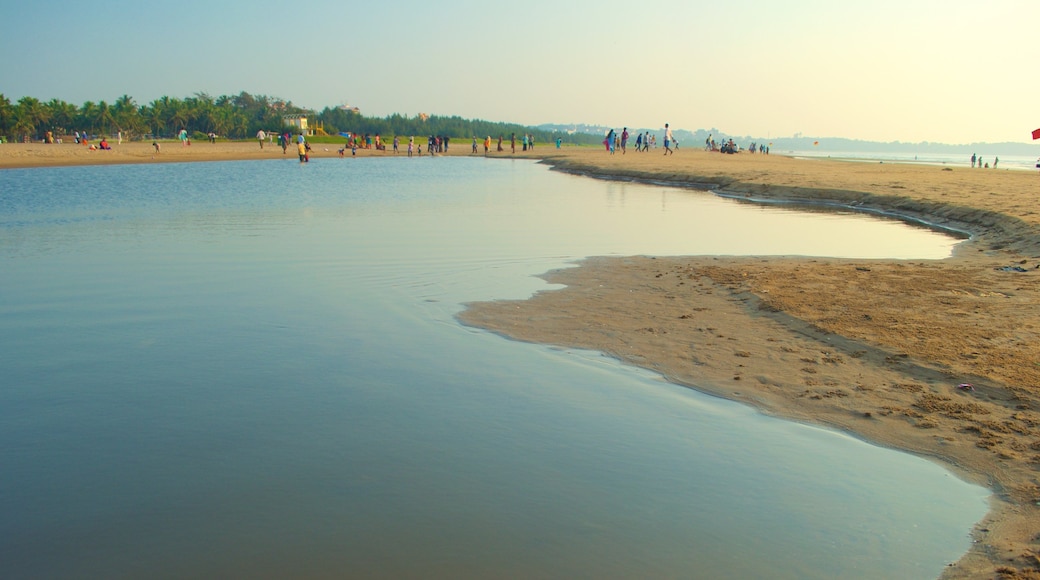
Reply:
x=973 y=161
x=487 y=145
x=608 y=143
x=667 y=140
x=183 y=136
x=624 y=140
x=260 y=136
x=512 y=142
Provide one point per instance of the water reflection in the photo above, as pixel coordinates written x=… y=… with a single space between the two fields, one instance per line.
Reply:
x=253 y=368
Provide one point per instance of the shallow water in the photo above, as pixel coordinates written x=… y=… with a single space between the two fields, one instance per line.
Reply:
x=254 y=368
x=1013 y=162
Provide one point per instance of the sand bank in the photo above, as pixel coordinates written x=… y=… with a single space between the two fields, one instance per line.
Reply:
x=873 y=347
x=23 y=155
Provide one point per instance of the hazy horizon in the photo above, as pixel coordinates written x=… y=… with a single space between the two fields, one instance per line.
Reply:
x=884 y=71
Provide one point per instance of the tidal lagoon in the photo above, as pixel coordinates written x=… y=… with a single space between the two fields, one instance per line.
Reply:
x=254 y=368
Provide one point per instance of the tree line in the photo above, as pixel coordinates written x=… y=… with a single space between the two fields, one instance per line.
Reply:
x=234 y=117
x=230 y=116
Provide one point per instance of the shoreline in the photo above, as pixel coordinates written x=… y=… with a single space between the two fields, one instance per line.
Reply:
x=33 y=155
x=875 y=348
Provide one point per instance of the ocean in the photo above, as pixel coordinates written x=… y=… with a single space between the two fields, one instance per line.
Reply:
x=1004 y=162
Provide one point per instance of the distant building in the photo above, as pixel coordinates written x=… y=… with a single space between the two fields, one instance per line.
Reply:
x=297 y=122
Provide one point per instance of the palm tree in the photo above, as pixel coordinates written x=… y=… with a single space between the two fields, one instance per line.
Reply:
x=177 y=113
x=163 y=111
x=6 y=116
x=127 y=116
x=88 y=117
x=204 y=112
x=105 y=118
x=33 y=114
x=155 y=118
x=62 y=115
x=232 y=122
x=23 y=128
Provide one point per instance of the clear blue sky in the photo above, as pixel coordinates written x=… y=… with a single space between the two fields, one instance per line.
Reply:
x=911 y=70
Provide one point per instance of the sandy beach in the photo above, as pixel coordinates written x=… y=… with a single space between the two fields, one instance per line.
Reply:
x=24 y=155
x=876 y=348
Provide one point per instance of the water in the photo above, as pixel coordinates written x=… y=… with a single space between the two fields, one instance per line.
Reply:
x=1014 y=162
x=253 y=369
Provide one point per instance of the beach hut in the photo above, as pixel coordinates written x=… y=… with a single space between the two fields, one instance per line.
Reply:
x=298 y=123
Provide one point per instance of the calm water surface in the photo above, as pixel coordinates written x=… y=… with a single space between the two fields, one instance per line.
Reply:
x=253 y=369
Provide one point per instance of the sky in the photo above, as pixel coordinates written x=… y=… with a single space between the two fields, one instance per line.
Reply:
x=945 y=71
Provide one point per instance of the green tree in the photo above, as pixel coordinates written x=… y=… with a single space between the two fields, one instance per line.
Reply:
x=62 y=115
x=203 y=112
x=87 y=118
x=22 y=129
x=105 y=118
x=34 y=116
x=154 y=118
x=177 y=114
x=6 y=117
x=127 y=116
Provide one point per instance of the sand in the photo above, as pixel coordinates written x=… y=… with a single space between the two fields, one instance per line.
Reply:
x=876 y=348
x=22 y=155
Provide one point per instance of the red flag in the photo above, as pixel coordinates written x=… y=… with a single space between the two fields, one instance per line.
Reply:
x=1036 y=134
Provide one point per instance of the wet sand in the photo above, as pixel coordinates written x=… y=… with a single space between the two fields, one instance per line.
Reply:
x=876 y=348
